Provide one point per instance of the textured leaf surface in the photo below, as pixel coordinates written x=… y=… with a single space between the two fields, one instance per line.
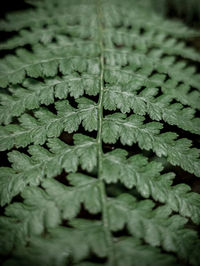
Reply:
x=99 y=135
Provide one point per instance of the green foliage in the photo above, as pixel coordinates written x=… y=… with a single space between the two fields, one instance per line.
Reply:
x=99 y=104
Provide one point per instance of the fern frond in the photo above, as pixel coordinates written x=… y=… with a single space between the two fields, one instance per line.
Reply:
x=182 y=94
x=47 y=124
x=147 y=178
x=132 y=130
x=34 y=93
x=31 y=170
x=153 y=226
x=157 y=108
x=92 y=93
x=46 y=61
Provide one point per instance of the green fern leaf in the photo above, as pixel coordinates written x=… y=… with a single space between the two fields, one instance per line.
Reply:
x=99 y=136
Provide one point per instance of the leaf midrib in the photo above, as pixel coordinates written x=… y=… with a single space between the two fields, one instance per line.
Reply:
x=103 y=196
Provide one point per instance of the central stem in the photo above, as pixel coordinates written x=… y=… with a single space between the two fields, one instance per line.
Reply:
x=108 y=235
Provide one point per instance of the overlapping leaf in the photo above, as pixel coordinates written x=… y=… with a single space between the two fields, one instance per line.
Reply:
x=90 y=90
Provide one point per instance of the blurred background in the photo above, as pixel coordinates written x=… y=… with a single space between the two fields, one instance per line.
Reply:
x=186 y=10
